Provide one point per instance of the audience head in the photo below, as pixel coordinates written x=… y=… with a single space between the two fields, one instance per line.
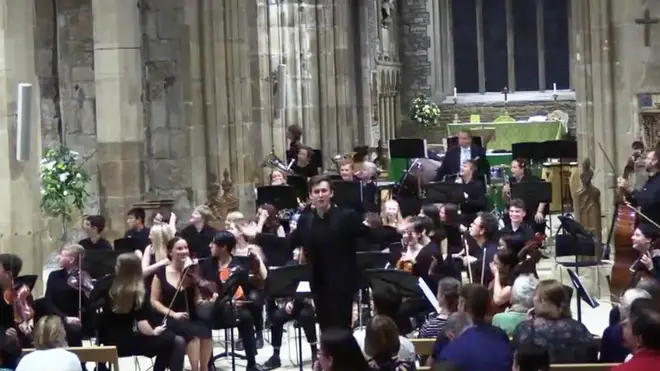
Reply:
x=531 y=357
x=522 y=292
x=49 y=333
x=94 y=225
x=381 y=341
x=11 y=263
x=517 y=210
x=651 y=286
x=628 y=298
x=339 y=351
x=631 y=341
x=448 y=292
x=10 y=351
x=474 y=300
x=223 y=243
x=551 y=300
x=135 y=218
x=71 y=255
x=646 y=328
x=456 y=324
x=484 y=227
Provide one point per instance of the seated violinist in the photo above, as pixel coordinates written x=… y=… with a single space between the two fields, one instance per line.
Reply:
x=175 y=298
x=243 y=230
x=517 y=230
x=503 y=269
x=644 y=238
x=125 y=305
x=10 y=268
x=483 y=230
x=218 y=270
x=65 y=296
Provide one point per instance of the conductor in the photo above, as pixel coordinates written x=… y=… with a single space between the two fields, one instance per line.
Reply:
x=328 y=236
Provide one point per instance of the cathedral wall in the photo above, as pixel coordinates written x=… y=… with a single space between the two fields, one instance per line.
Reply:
x=416 y=56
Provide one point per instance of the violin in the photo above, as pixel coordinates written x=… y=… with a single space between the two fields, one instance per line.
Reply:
x=405 y=265
x=638 y=271
x=19 y=296
x=193 y=278
x=530 y=255
x=81 y=280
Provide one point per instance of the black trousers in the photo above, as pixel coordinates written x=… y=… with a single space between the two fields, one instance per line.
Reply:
x=221 y=315
x=333 y=309
x=302 y=313
x=256 y=308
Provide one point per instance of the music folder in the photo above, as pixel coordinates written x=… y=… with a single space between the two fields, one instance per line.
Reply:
x=281 y=197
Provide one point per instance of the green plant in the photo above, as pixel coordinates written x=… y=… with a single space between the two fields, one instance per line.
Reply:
x=424 y=111
x=63 y=183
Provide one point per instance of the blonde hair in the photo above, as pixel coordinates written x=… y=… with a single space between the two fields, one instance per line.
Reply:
x=127 y=291
x=233 y=216
x=386 y=218
x=49 y=333
x=552 y=300
x=77 y=250
x=159 y=235
x=205 y=212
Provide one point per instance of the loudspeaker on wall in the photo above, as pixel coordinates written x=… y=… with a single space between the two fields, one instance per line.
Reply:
x=23 y=121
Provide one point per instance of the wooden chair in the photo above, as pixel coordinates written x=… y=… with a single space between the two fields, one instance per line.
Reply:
x=96 y=354
x=583 y=367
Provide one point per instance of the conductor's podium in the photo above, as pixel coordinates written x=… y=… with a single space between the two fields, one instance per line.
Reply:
x=559 y=175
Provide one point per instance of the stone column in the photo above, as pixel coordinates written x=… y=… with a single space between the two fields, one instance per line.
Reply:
x=119 y=109
x=21 y=223
x=327 y=83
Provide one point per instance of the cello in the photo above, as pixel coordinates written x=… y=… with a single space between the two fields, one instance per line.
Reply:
x=623 y=226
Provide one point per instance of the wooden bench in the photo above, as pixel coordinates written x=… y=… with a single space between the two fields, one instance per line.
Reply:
x=96 y=354
x=583 y=367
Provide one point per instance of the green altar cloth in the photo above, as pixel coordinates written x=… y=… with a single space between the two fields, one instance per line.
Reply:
x=507 y=133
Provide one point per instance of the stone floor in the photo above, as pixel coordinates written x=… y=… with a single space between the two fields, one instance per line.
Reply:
x=596 y=319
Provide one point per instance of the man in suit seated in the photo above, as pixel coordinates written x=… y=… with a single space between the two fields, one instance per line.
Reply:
x=457 y=155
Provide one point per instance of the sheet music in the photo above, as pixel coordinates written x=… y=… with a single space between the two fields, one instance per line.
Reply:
x=429 y=294
x=303 y=287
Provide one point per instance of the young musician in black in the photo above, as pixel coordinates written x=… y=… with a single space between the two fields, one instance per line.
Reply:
x=94 y=226
x=135 y=220
x=518 y=232
x=474 y=198
x=219 y=269
x=483 y=229
x=329 y=238
x=367 y=177
x=199 y=233
x=125 y=306
x=10 y=268
x=294 y=135
x=304 y=165
x=64 y=297
x=535 y=211
x=643 y=239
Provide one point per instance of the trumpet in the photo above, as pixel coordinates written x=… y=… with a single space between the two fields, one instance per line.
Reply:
x=275 y=163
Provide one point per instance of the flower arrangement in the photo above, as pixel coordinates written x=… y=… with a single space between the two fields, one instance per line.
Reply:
x=424 y=111
x=63 y=183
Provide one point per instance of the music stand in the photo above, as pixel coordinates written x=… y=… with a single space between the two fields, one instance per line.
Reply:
x=282 y=283
x=276 y=249
x=531 y=151
x=367 y=260
x=28 y=280
x=532 y=193
x=443 y=193
x=406 y=283
x=124 y=245
x=347 y=194
x=99 y=263
x=281 y=197
x=396 y=250
x=317 y=158
x=408 y=148
x=564 y=150
x=298 y=183
x=582 y=294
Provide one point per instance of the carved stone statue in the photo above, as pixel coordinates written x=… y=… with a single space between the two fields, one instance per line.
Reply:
x=387 y=10
x=223 y=203
x=586 y=200
x=387 y=13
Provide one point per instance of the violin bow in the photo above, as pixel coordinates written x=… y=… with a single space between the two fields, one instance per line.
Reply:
x=184 y=273
x=607 y=158
x=80 y=288
x=636 y=210
x=467 y=254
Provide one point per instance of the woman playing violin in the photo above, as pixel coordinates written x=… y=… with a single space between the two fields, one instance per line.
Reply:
x=502 y=267
x=125 y=305
x=644 y=238
x=10 y=267
x=175 y=298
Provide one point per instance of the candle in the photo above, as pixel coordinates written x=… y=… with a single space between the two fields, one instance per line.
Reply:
x=554 y=88
x=454 y=92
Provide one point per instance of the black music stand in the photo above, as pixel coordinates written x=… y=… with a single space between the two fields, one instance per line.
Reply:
x=317 y=158
x=582 y=294
x=443 y=193
x=531 y=151
x=276 y=249
x=28 y=280
x=532 y=193
x=408 y=148
x=124 y=245
x=347 y=194
x=406 y=283
x=281 y=197
x=367 y=260
x=396 y=250
x=282 y=283
x=298 y=183
x=99 y=263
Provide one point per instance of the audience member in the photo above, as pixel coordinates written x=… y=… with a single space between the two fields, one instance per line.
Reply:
x=10 y=352
x=381 y=345
x=645 y=328
x=612 y=348
x=49 y=353
x=340 y=352
x=522 y=300
x=630 y=341
x=467 y=350
x=552 y=326
x=448 y=289
x=531 y=357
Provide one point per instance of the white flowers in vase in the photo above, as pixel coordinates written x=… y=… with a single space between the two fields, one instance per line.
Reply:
x=424 y=111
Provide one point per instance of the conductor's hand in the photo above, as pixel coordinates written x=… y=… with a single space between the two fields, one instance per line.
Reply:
x=288 y=307
x=623 y=183
x=179 y=315
x=158 y=330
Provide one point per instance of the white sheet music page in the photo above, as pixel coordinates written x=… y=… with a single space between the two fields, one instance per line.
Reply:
x=303 y=287
x=430 y=296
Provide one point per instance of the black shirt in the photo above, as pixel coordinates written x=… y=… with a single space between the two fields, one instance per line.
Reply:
x=475 y=202
x=648 y=199
x=199 y=241
x=61 y=299
x=142 y=235
x=519 y=237
x=101 y=244
x=305 y=171
x=423 y=263
x=116 y=327
x=531 y=206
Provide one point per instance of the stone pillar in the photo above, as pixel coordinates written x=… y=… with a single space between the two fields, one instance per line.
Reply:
x=119 y=108
x=21 y=222
x=327 y=82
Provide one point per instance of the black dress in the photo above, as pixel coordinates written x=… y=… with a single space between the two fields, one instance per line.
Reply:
x=190 y=328
x=118 y=330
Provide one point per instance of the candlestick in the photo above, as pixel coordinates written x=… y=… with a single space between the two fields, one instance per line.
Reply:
x=554 y=88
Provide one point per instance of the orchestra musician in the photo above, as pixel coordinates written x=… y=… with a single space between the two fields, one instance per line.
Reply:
x=456 y=156
x=346 y=170
x=199 y=233
x=640 y=176
x=367 y=177
x=304 y=166
x=136 y=229
x=294 y=135
x=483 y=229
x=517 y=230
x=646 y=199
x=94 y=226
x=125 y=306
x=175 y=298
x=503 y=270
x=10 y=268
x=219 y=269
x=62 y=299
x=329 y=237
x=644 y=238
x=155 y=255
x=535 y=212
x=474 y=199
x=277 y=178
